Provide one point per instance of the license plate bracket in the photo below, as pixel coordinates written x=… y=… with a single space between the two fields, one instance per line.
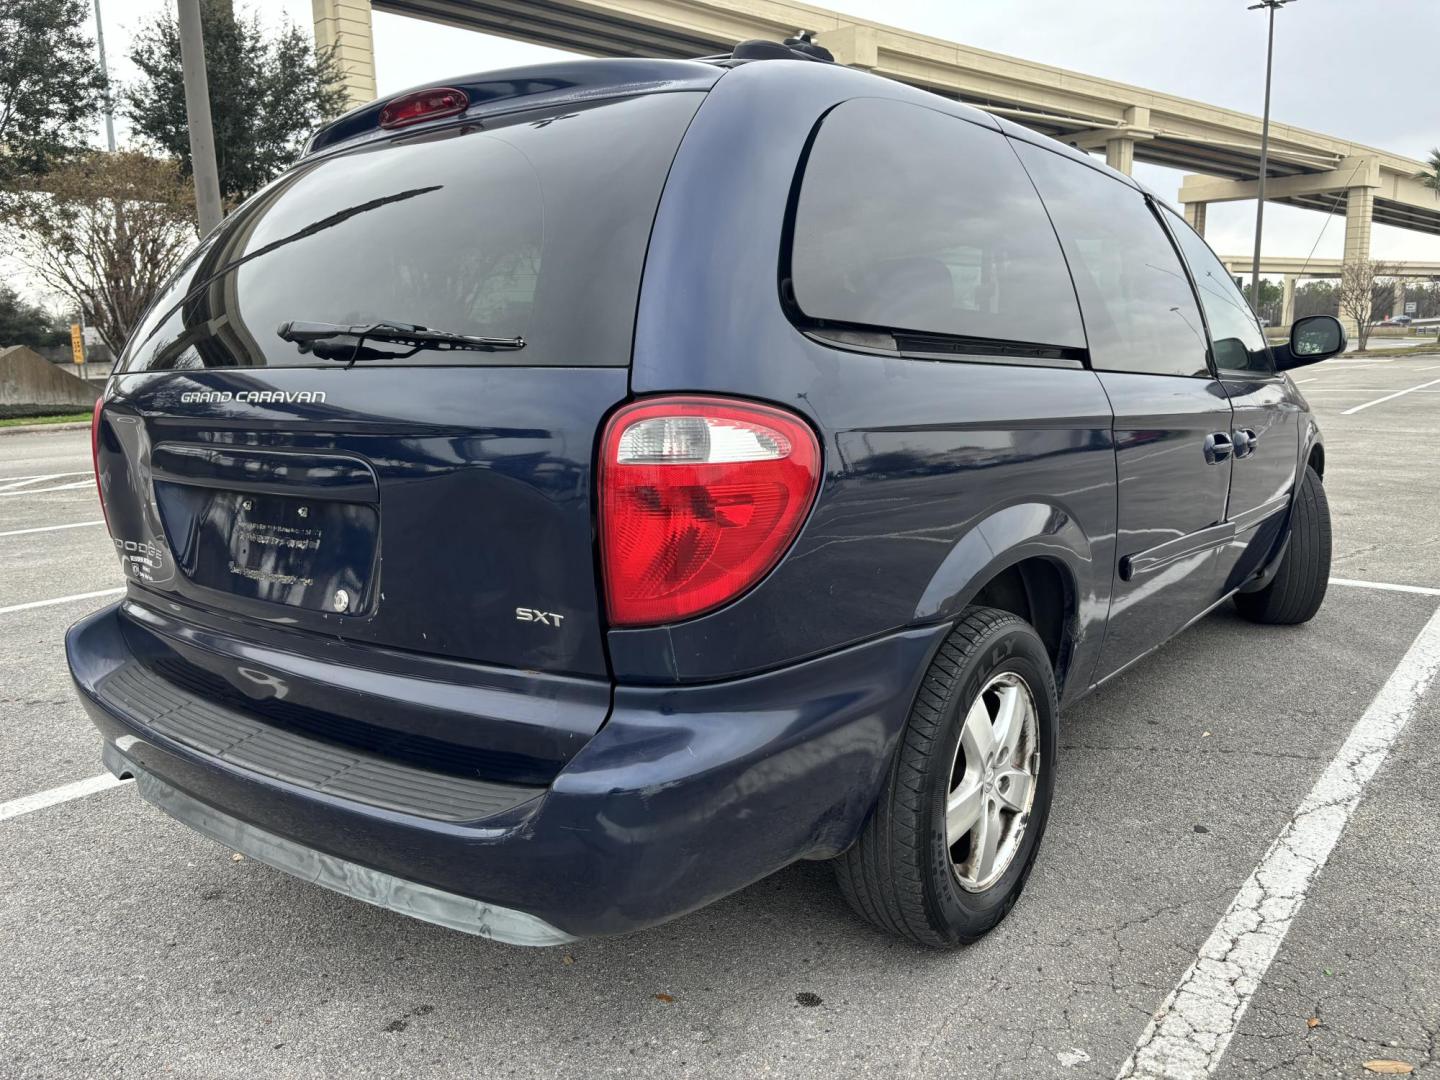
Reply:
x=308 y=553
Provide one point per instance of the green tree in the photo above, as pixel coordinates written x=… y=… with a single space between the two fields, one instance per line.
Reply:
x=1272 y=298
x=24 y=323
x=50 y=86
x=1317 y=298
x=1431 y=179
x=266 y=94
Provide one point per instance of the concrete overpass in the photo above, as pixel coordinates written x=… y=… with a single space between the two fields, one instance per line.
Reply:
x=1126 y=123
x=1270 y=266
x=1292 y=270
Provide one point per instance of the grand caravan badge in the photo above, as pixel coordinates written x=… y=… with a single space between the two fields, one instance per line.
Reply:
x=253 y=397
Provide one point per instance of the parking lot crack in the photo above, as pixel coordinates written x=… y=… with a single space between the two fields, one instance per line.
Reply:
x=1115 y=929
x=1190 y=751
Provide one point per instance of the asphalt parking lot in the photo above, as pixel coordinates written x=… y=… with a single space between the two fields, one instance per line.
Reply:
x=133 y=947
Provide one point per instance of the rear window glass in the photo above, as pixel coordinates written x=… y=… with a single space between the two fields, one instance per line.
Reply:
x=535 y=229
x=910 y=219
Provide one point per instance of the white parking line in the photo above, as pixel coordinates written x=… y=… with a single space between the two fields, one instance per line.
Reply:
x=64 y=793
x=47 y=490
x=1189 y=1034
x=61 y=600
x=15 y=483
x=1391 y=397
x=12 y=481
x=1423 y=590
x=51 y=528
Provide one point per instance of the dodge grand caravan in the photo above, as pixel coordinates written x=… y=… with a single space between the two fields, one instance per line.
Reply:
x=570 y=494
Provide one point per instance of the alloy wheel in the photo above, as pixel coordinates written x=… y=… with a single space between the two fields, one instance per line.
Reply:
x=993 y=781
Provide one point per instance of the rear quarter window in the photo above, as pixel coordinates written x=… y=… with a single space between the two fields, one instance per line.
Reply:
x=910 y=219
x=534 y=227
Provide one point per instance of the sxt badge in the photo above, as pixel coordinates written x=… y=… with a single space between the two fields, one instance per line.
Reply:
x=549 y=618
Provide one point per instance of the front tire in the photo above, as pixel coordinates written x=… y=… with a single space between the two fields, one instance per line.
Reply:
x=1297 y=590
x=951 y=843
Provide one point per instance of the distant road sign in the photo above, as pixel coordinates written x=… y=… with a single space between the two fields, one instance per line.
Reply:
x=1411 y=306
x=77 y=343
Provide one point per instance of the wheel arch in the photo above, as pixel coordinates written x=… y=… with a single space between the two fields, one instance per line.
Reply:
x=1031 y=559
x=1312 y=452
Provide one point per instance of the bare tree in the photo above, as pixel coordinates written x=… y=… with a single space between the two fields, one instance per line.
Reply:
x=1359 y=294
x=105 y=232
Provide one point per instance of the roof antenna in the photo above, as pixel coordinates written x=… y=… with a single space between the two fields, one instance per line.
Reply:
x=803 y=42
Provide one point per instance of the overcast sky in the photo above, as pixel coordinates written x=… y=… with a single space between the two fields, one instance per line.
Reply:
x=1357 y=69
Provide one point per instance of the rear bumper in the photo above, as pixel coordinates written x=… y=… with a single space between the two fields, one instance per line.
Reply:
x=339 y=875
x=684 y=796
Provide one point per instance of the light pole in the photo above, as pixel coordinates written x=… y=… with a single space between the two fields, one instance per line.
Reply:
x=197 y=116
x=105 y=71
x=1271 y=6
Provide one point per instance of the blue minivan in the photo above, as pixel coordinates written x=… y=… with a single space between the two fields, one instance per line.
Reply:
x=572 y=493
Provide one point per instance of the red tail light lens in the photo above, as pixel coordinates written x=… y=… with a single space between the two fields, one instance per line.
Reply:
x=699 y=498
x=95 y=456
x=423 y=105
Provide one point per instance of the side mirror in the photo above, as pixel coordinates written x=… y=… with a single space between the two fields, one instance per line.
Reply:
x=1312 y=339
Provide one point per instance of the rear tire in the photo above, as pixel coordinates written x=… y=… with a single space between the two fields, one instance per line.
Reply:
x=929 y=865
x=1297 y=590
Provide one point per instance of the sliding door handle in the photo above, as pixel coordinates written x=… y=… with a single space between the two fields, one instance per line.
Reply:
x=1218 y=447
x=1245 y=442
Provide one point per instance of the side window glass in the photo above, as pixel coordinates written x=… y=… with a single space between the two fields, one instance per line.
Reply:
x=1140 y=313
x=910 y=219
x=1237 y=339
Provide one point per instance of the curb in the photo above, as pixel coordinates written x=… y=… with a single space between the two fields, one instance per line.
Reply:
x=23 y=429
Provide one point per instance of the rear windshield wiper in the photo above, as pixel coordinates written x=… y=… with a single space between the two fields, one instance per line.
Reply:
x=332 y=341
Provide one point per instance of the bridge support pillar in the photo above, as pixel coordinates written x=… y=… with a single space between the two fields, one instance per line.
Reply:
x=1399 y=297
x=344 y=26
x=1359 y=218
x=1120 y=155
x=852 y=45
x=1195 y=216
x=1120 y=150
x=1287 y=305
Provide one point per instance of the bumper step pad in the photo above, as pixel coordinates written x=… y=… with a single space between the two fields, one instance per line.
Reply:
x=336 y=770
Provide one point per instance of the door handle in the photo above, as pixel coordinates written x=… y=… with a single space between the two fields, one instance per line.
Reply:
x=1245 y=440
x=1217 y=447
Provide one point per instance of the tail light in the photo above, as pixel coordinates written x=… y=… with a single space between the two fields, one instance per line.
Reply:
x=95 y=456
x=699 y=498
x=423 y=105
